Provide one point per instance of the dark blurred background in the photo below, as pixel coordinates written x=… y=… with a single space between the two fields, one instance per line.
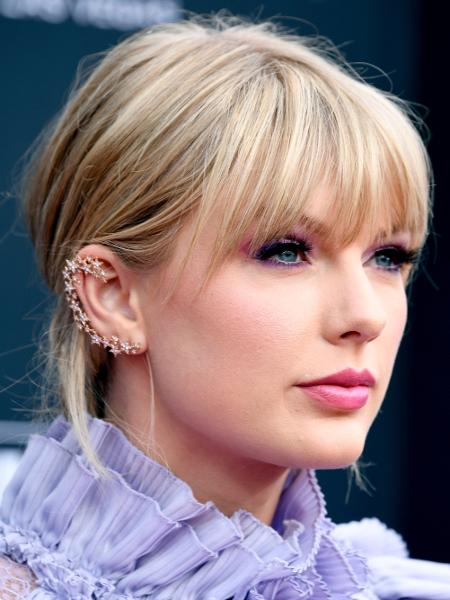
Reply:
x=408 y=447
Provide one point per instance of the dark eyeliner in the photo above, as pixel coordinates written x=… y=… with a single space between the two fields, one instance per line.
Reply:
x=276 y=246
x=402 y=256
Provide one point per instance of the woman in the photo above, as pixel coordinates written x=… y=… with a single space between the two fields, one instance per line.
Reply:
x=230 y=219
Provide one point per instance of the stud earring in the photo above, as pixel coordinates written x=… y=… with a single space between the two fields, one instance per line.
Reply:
x=93 y=266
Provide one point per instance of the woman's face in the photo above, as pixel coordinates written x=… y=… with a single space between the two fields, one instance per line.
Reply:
x=226 y=363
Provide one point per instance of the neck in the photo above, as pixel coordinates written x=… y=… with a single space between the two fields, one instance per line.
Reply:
x=214 y=473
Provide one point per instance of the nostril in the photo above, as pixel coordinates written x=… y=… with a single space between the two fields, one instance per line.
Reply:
x=348 y=334
x=364 y=333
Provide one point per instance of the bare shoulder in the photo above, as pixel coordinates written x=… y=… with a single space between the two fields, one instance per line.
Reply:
x=16 y=580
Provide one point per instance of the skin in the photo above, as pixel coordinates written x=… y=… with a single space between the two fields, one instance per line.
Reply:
x=229 y=419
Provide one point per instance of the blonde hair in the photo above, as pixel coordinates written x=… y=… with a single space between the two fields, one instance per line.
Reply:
x=210 y=113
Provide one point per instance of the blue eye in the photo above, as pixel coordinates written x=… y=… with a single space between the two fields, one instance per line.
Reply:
x=394 y=258
x=294 y=252
x=287 y=250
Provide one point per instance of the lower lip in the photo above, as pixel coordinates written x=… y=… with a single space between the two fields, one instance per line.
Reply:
x=336 y=396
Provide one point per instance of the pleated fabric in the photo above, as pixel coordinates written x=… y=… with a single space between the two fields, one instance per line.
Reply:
x=142 y=534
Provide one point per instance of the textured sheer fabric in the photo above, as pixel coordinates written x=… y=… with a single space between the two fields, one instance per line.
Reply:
x=142 y=535
x=16 y=581
x=393 y=574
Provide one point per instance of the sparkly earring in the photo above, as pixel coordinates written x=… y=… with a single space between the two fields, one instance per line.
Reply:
x=93 y=266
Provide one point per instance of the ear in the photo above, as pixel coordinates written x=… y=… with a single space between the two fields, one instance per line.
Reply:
x=112 y=306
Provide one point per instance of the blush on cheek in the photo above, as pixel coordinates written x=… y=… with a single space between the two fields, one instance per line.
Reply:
x=247 y=321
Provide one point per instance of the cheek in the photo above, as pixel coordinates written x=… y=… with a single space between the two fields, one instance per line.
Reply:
x=398 y=311
x=387 y=345
x=248 y=329
x=233 y=346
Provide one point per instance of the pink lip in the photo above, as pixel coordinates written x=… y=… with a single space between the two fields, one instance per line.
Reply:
x=346 y=389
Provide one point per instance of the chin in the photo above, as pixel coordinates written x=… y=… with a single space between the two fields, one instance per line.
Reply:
x=329 y=457
x=336 y=462
x=334 y=445
x=331 y=453
x=342 y=455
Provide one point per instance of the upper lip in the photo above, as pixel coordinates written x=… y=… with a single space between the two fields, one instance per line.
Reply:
x=345 y=378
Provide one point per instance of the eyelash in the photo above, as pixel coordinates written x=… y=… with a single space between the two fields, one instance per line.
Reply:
x=276 y=246
x=400 y=255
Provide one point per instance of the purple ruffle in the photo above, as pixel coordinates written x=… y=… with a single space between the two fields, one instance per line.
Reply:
x=142 y=534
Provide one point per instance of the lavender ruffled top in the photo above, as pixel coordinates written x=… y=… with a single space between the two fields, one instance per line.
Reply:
x=142 y=534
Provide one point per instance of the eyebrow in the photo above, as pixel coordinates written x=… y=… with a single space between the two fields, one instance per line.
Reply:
x=314 y=226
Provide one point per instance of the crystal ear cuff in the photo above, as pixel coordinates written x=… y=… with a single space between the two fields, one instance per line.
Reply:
x=93 y=266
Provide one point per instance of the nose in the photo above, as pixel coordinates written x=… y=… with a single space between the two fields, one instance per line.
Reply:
x=354 y=307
